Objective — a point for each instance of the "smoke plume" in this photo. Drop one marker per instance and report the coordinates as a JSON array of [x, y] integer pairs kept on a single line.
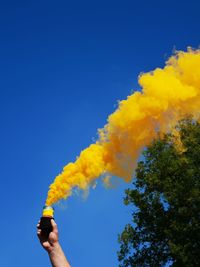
[[166, 96]]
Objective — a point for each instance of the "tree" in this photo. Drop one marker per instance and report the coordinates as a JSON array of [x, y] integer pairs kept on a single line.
[[165, 201]]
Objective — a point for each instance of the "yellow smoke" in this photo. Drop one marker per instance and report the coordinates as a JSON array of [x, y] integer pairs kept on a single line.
[[167, 95]]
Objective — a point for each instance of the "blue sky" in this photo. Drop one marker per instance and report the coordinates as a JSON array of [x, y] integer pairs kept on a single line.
[[64, 65]]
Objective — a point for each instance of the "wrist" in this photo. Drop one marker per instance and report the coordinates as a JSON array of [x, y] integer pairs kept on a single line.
[[54, 249]]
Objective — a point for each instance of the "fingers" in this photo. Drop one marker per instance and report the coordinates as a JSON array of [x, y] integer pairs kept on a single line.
[[38, 225], [38, 229], [39, 232]]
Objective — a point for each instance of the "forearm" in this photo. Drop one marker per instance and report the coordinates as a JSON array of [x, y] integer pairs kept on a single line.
[[57, 257]]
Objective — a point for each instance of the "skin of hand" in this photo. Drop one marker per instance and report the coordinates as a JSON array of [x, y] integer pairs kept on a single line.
[[52, 240], [52, 246]]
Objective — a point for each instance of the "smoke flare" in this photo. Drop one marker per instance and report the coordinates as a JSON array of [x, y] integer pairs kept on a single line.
[[166, 96]]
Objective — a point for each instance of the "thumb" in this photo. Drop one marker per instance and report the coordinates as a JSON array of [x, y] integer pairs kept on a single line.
[[54, 226]]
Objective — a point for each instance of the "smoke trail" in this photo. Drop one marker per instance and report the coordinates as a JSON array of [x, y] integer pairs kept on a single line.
[[167, 95]]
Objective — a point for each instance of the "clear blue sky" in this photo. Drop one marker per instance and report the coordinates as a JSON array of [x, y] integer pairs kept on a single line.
[[63, 67]]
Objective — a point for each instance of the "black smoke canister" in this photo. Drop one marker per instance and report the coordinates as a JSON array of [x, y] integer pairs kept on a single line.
[[45, 221]]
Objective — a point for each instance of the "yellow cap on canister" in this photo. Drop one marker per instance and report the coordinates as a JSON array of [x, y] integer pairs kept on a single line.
[[48, 211]]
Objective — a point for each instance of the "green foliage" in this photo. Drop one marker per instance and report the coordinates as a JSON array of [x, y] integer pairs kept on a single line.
[[166, 204]]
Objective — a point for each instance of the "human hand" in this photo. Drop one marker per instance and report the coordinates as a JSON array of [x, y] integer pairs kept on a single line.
[[51, 242]]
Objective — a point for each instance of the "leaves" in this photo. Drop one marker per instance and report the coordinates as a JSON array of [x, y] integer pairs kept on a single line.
[[166, 203]]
